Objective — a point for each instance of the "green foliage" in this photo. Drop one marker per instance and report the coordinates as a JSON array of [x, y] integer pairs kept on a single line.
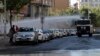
[[93, 18], [69, 11], [96, 11], [15, 4], [84, 12], [94, 15]]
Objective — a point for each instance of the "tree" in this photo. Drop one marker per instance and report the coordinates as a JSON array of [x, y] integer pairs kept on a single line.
[[94, 15], [15, 5], [85, 12], [93, 18]]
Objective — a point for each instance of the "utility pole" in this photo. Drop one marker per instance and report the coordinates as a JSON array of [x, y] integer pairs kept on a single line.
[[42, 15], [5, 18], [88, 9]]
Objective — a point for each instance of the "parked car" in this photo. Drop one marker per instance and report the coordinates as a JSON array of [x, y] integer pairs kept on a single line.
[[51, 36], [65, 33], [46, 34], [56, 33], [61, 32], [24, 34], [40, 36], [68, 32], [72, 32]]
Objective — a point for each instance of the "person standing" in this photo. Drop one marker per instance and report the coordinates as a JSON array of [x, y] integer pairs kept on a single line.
[[12, 32]]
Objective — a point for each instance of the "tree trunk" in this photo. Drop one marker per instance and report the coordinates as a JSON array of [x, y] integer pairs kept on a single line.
[[10, 18]]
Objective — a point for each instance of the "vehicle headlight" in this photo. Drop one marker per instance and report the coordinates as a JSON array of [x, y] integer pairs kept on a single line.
[[30, 35], [16, 35]]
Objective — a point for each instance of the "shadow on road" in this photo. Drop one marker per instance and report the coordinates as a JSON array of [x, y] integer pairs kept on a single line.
[[66, 43]]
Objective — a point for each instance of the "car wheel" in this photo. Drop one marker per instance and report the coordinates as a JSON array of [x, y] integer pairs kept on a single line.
[[34, 41], [90, 35], [50, 37], [43, 39], [37, 41], [46, 38], [79, 35]]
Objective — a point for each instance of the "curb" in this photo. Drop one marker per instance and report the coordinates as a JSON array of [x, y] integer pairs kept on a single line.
[[3, 34]]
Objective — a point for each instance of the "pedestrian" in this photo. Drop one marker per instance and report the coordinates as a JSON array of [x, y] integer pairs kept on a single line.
[[16, 28], [12, 32]]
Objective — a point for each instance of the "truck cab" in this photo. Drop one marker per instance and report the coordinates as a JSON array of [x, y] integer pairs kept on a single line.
[[84, 26]]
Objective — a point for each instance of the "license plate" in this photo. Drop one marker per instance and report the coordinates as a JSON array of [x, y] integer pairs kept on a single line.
[[24, 38]]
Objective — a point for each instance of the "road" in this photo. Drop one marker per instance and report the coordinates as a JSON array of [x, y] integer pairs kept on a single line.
[[66, 46]]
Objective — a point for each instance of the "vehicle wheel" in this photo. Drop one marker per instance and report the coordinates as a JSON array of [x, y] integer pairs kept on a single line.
[[47, 38], [79, 35], [90, 35], [35, 41], [52, 37], [43, 39]]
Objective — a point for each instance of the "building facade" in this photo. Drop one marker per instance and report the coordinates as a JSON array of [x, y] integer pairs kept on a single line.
[[88, 3], [40, 7], [37, 8], [61, 4], [1, 10]]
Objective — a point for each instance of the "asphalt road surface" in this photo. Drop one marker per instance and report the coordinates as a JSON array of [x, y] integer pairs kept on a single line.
[[63, 46]]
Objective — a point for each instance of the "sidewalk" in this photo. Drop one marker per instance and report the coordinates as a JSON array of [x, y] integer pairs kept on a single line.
[[4, 42]]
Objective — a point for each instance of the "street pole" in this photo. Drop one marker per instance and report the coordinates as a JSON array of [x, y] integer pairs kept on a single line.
[[88, 9], [42, 16], [5, 16]]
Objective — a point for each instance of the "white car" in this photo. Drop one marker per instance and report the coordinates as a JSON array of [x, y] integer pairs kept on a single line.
[[62, 33], [24, 34], [40, 35], [65, 32], [56, 33], [72, 32]]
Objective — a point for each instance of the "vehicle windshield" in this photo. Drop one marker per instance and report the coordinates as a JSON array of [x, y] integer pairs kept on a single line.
[[46, 31], [83, 22], [26, 30]]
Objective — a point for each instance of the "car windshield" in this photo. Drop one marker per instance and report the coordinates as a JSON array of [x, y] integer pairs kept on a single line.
[[46, 31], [82, 22], [26, 30]]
